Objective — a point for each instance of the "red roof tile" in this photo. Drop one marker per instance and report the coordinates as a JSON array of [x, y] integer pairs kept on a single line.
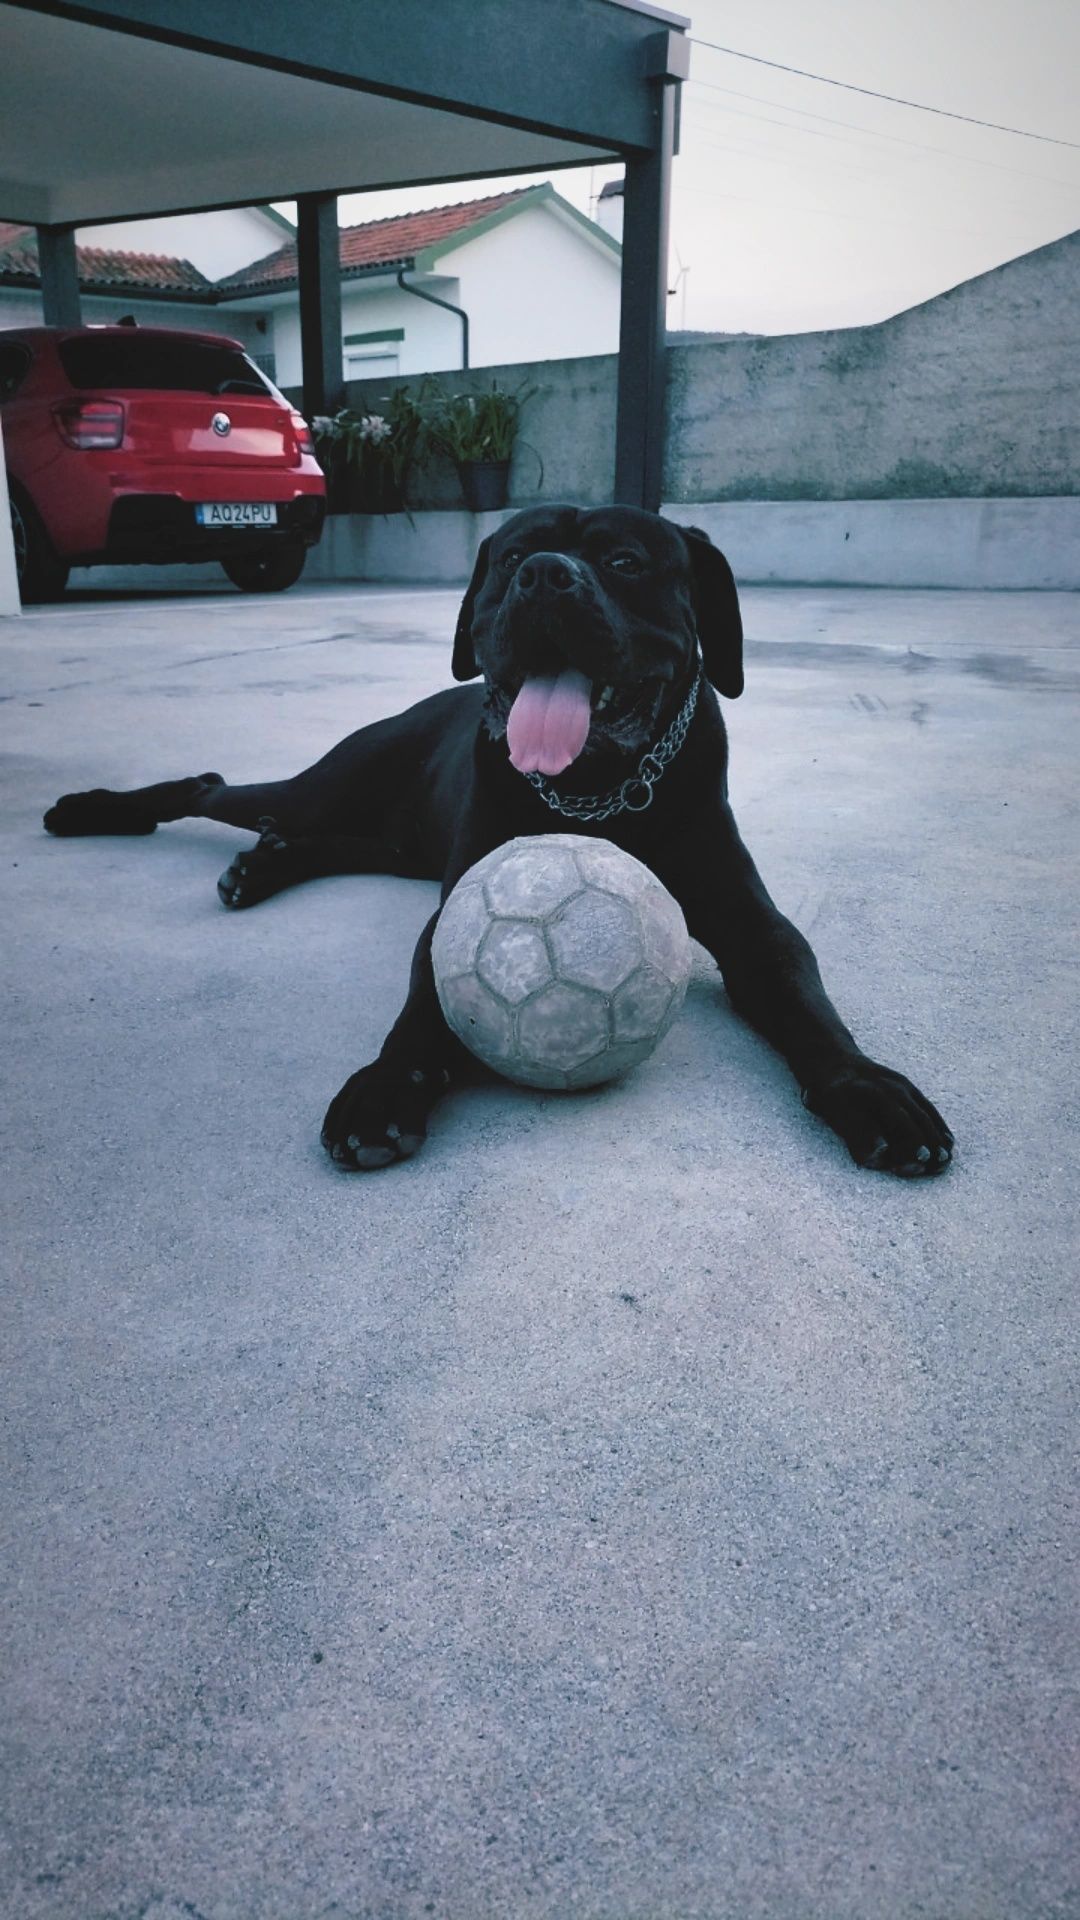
[[377, 243], [102, 266], [393, 242]]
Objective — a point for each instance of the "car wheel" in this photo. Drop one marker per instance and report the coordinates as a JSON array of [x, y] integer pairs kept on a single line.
[[41, 573], [267, 569]]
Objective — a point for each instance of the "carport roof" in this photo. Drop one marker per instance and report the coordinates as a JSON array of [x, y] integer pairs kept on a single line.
[[142, 107]]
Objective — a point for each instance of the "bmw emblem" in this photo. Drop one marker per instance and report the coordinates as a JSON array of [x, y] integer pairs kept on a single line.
[[221, 423]]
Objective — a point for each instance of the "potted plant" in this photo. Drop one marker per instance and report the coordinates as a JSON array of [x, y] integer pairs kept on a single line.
[[478, 431], [366, 454]]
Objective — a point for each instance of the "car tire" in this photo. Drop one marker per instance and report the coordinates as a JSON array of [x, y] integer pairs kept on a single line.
[[41, 573], [267, 569]]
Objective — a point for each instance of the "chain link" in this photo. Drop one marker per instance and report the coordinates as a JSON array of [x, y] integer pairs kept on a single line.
[[626, 798]]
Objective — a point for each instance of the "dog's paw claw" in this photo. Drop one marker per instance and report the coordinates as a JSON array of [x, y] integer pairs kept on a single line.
[[367, 1159], [253, 876], [887, 1125]]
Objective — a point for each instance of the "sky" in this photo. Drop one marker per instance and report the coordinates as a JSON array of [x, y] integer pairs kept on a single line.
[[797, 205]]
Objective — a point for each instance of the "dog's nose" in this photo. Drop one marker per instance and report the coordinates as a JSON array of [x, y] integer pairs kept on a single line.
[[545, 573]]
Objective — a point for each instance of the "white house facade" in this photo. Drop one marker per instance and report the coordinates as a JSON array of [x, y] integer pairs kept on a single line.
[[535, 279]]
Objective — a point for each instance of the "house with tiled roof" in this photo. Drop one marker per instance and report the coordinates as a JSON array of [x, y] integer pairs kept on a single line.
[[164, 272], [521, 273]]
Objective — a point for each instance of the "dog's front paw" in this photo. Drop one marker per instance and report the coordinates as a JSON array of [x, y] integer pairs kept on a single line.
[[884, 1121], [380, 1116]]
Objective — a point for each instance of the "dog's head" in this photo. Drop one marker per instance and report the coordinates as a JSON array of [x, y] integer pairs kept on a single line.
[[586, 625]]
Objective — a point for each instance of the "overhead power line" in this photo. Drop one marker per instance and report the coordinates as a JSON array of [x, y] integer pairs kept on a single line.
[[944, 113], [871, 133]]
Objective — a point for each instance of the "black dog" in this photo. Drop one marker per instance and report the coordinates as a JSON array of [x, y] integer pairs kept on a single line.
[[598, 634]]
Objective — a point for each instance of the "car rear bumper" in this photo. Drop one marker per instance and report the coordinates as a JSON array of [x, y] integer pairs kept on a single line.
[[157, 527]]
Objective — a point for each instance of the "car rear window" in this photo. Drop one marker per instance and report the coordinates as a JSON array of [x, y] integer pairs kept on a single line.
[[179, 366]]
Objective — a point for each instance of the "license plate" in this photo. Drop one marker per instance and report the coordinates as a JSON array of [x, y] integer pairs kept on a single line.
[[237, 513]]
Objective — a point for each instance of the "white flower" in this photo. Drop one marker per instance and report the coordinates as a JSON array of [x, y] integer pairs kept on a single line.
[[321, 423], [374, 428]]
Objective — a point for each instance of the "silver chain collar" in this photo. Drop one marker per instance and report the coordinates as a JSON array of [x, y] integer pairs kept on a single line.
[[636, 792]]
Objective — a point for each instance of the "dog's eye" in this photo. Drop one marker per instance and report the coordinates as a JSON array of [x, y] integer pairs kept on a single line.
[[512, 560], [624, 562]]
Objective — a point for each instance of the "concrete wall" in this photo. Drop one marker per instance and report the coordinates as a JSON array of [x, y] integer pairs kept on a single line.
[[972, 395], [570, 416], [1018, 544]]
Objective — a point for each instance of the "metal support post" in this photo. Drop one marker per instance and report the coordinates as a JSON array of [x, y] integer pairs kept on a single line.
[[639, 432], [59, 277], [319, 270]]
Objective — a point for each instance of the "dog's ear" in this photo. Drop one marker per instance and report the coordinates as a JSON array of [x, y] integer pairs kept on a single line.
[[719, 621], [464, 663]]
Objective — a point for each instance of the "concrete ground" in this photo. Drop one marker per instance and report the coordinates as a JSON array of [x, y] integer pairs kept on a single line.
[[626, 1509]]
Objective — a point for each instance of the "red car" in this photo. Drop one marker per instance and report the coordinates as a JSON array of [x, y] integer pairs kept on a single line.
[[141, 444]]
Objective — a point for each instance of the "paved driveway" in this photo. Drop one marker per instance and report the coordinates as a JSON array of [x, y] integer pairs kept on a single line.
[[626, 1509]]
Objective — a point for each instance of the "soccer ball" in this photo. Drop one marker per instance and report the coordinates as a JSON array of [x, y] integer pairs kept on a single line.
[[560, 961]]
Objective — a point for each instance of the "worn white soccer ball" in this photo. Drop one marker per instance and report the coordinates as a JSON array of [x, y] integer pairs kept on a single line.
[[560, 961]]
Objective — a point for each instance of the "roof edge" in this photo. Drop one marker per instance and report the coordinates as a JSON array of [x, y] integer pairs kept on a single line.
[[544, 194]]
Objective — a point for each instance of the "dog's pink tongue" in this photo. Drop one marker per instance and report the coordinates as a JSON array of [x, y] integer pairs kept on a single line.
[[549, 722]]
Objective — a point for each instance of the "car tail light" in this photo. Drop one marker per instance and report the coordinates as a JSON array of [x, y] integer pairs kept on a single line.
[[303, 434], [92, 423]]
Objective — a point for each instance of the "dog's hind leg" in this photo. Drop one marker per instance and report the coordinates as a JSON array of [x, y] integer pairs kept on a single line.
[[204, 796]]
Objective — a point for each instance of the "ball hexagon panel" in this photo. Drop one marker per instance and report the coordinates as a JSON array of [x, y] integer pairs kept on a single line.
[[563, 1024], [664, 937], [601, 864], [533, 879], [594, 941], [642, 1006], [513, 960], [611, 1063]]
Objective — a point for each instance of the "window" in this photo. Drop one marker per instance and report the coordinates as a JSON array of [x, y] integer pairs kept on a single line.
[[14, 361], [369, 366], [370, 356], [170, 363]]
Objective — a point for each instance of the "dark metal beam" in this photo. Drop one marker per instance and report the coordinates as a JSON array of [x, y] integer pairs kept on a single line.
[[59, 277], [571, 68], [319, 264], [639, 430]]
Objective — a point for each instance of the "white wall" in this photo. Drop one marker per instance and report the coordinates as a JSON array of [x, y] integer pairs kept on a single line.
[[216, 243], [432, 337], [21, 307], [537, 288], [534, 287], [9, 580]]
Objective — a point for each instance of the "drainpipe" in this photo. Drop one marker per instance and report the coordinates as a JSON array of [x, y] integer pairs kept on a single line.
[[406, 287]]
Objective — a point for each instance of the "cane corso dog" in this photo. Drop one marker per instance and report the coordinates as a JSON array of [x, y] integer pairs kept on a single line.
[[601, 638]]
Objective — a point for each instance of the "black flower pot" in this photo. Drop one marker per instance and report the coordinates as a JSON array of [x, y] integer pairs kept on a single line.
[[485, 484], [352, 490]]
